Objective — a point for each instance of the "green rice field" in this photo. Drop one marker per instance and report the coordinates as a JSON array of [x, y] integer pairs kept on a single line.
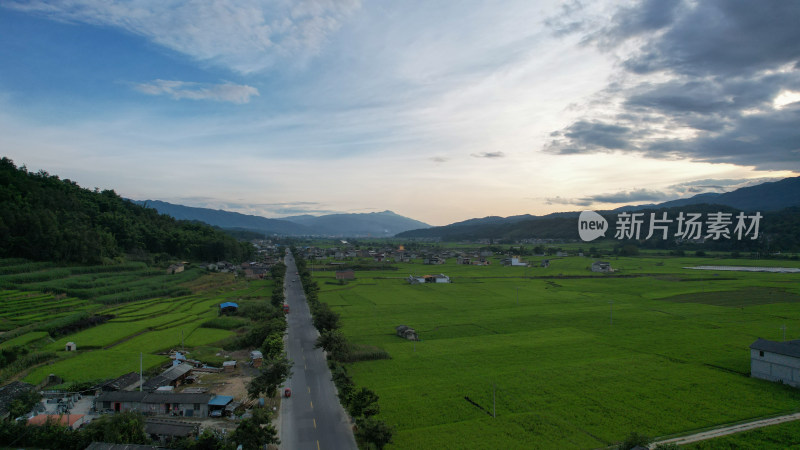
[[561, 357], [151, 312]]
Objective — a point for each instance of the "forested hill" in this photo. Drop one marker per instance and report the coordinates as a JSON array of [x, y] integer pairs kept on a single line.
[[45, 218]]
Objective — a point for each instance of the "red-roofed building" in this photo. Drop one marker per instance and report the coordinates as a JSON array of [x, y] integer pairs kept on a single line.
[[71, 420]]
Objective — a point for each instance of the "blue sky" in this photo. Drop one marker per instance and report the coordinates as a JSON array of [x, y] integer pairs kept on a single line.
[[440, 111]]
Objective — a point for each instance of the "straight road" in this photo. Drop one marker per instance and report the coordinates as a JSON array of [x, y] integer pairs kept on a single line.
[[312, 417]]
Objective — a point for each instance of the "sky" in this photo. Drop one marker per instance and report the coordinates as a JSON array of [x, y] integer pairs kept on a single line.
[[439, 111]]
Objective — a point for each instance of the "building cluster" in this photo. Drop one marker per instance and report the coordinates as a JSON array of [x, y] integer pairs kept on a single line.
[[171, 401], [441, 278]]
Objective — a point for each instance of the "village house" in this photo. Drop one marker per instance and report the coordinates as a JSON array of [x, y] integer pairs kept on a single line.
[[127, 382], [228, 307], [72, 421], [256, 358], [776, 361], [347, 274], [174, 376], [167, 430], [157, 403], [441, 278], [175, 268], [514, 261], [406, 332], [415, 280], [71, 347], [602, 267]]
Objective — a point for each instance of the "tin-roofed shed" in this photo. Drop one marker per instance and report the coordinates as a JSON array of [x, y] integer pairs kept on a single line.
[[776, 361]]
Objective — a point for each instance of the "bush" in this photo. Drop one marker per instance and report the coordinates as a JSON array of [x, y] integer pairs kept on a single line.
[[225, 323], [365, 353]]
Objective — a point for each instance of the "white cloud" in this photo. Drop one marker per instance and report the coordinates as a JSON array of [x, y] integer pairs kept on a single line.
[[242, 35], [226, 92]]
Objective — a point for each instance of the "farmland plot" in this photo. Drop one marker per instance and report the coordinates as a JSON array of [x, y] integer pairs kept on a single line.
[[143, 320], [574, 360]]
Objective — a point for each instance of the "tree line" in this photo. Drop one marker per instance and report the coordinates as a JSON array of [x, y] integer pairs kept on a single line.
[[45, 218]]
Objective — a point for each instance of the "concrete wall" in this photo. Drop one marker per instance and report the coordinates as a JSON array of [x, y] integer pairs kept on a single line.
[[774, 367]]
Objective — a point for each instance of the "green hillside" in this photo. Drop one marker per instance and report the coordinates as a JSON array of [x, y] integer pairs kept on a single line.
[[45, 218]]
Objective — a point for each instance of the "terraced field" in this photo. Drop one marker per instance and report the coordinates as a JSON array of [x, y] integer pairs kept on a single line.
[[563, 357], [144, 319]]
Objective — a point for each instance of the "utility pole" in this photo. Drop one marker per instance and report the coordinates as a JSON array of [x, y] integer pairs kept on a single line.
[[784, 332], [141, 382], [494, 403], [612, 312], [517, 295]]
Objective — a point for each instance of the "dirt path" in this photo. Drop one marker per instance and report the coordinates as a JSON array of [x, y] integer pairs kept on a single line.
[[728, 430]]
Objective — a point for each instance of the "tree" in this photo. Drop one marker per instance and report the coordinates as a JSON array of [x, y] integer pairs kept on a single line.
[[343, 381], [364, 402], [374, 431], [333, 342], [252, 435], [634, 440], [273, 345], [274, 372], [23, 403], [121, 428], [325, 318]]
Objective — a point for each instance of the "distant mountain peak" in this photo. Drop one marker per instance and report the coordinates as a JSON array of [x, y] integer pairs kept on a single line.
[[377, 224]]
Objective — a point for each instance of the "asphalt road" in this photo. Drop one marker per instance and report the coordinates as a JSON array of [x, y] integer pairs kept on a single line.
[[312, 417]]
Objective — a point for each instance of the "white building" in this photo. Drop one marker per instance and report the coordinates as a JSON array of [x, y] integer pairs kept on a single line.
[[602, 267], [776, 361]]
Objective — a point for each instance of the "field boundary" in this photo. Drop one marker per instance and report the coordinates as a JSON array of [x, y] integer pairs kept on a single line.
[[725, 430]]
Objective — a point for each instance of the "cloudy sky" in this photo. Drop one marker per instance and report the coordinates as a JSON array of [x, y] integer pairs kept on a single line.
[[440, 111]]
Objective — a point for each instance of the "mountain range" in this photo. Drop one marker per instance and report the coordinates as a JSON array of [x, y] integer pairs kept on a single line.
[[376, 224], [765, 197]]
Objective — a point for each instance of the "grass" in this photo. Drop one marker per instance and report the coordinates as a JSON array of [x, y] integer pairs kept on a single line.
[[542, 343], [24, 339]]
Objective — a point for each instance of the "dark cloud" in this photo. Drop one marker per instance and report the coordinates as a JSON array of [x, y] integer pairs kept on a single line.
[[636, 195], [720, 64], [568, 201], [647, 16], [689, 188], [489, 155], [438, 159], [633, 196], [713, 37], [592, 137]]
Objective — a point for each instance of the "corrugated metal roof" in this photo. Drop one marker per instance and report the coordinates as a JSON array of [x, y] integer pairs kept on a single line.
[[220, 400], [228, 305], [169, 427], [788, 348], [146, 397]]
